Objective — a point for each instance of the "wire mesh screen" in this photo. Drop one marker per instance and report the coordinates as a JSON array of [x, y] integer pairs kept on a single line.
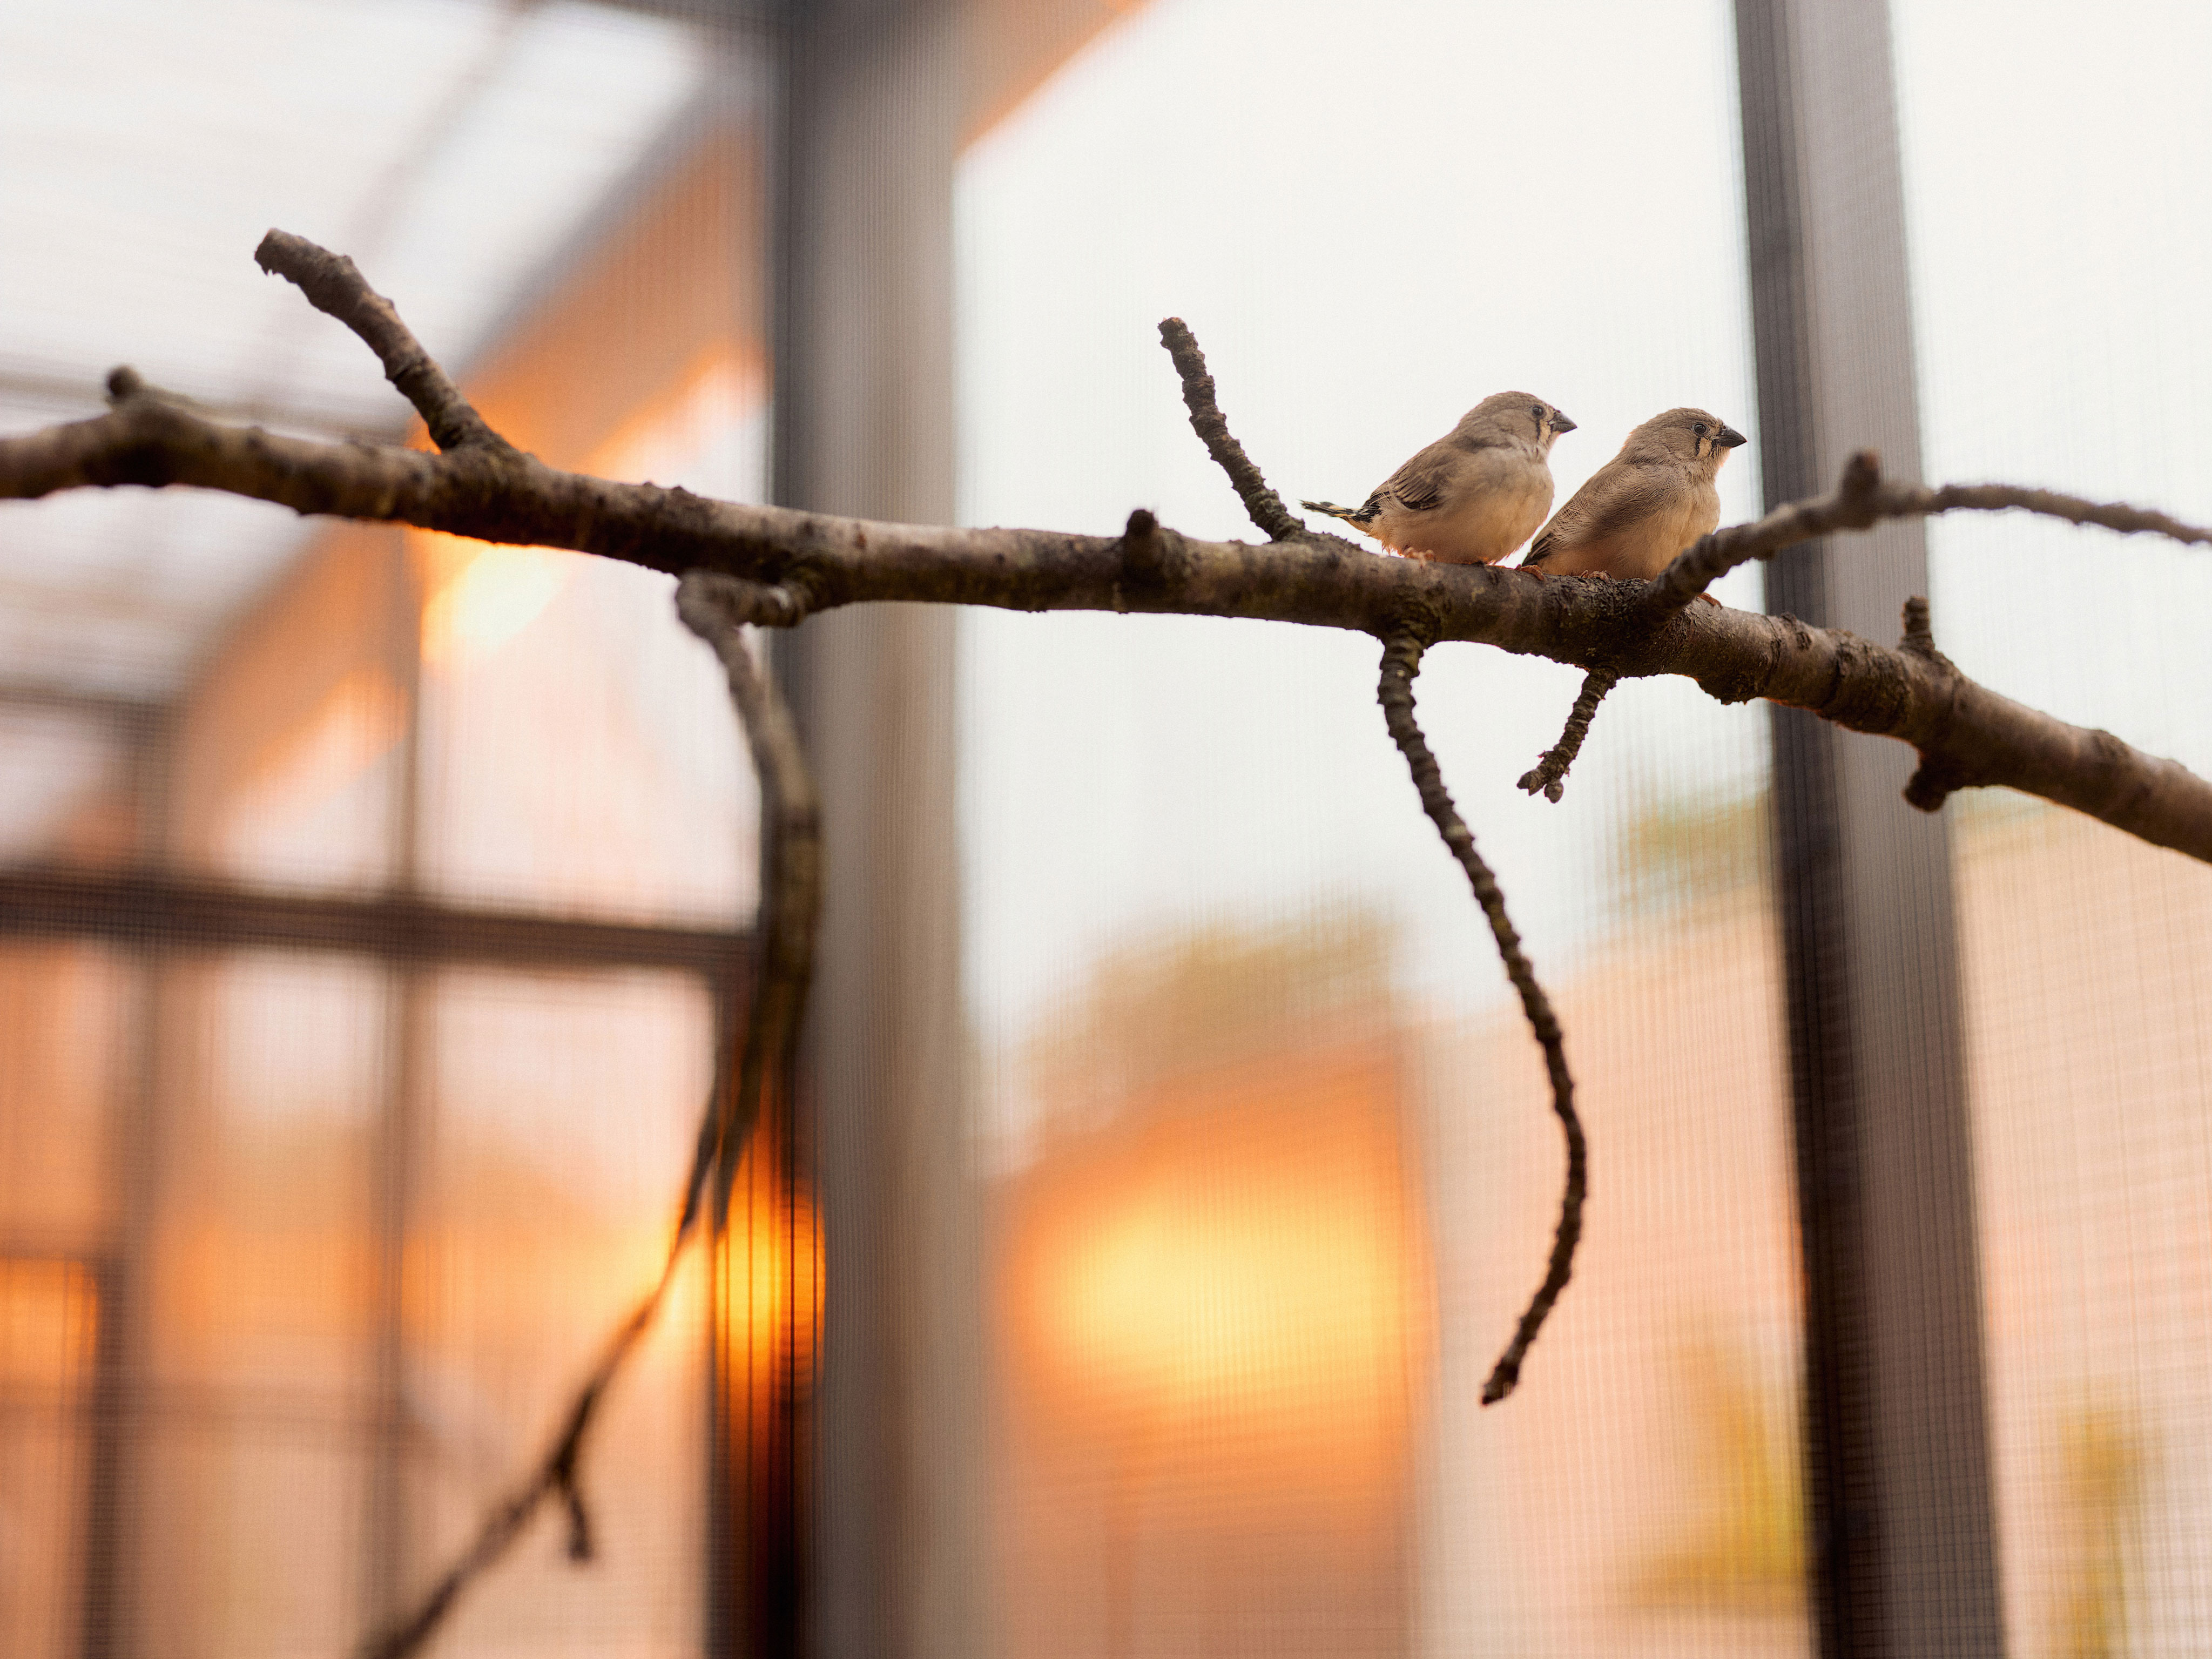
[[372, 902], [1274, 1168], [2071, 172]]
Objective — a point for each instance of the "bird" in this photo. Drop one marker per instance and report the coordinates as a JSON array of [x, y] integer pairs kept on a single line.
[[1475, 494], [1643, 507]]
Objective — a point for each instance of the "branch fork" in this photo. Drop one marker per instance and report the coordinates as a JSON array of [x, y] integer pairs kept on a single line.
[[760, 565], [797, 563], [1412, 630]]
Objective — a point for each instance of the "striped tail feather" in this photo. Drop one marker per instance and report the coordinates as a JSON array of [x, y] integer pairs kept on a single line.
[[1362, 515]]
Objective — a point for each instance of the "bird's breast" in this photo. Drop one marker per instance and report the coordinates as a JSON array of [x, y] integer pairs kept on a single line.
[[1480, 528]]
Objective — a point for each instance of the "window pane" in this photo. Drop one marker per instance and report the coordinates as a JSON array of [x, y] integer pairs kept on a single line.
[[566, 1112], [2068, 162], [1371, 219], [260, 1305], [327, 1191]]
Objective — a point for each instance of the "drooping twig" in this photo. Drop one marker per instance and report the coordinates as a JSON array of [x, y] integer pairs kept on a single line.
[[1262, 504], [555, 1478], [790, 564], [1402, 650], [790, 906], [791, 884], [1549, 775]]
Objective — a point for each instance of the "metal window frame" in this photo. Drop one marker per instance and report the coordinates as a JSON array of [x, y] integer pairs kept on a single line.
[[886, 1453], [1900, 1512], [157, 917]]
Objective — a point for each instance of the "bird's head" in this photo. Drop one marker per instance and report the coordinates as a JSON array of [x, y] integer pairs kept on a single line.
[[1690, 433], [1512, 417]]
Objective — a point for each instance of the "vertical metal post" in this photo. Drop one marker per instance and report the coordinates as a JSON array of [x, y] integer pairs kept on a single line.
[[401, 1127], [109, 1623], [871, 96], [1901, 1517]]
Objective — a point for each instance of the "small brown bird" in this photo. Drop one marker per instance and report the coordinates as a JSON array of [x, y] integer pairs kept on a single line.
[[1643, 506], [1472, 497]]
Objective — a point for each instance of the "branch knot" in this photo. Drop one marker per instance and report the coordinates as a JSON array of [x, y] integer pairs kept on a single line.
[[1144, 557], [708, 599], [1858, 492]]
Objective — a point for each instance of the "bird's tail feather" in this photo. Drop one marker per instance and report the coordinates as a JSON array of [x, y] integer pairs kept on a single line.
[[1359, 515]]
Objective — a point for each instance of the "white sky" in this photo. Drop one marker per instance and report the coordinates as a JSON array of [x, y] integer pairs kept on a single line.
[[1373, 216]]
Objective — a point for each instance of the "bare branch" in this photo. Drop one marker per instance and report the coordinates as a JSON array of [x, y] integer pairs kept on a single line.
[[335, 287], [1262, 504], [1549, 775], [791, 900], [712, 606], [1401, 660], [789, 564], [1861, 500]]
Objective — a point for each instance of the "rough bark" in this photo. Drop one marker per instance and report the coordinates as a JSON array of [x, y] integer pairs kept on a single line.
[[789, 565]]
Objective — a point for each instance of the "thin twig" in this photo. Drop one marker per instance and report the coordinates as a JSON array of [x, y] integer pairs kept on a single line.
[[1263, 506], [1401, 660], [791, 900], [335, 286], [712, 606], [1861, 500], [1549, 775]]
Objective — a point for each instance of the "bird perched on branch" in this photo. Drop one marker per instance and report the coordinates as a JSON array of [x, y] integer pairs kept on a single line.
[[1643, 506], [1475, 494]]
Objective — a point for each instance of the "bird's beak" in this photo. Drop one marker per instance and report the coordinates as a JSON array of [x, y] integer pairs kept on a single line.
[[1728, 438], [1560, 422]]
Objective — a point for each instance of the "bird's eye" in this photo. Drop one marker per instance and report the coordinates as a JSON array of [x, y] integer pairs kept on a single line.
[[1537, 410], [1699, 428]]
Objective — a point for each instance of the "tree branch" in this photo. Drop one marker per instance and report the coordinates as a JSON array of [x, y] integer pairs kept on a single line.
[[1549, 776], [790, 908], [334, 286], [1861, 500], [1401, 660], [790, 563], [791, 880], [1262, 504]]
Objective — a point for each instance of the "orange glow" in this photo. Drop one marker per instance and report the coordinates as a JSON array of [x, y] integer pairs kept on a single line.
[[723, 386], [49, 1318], [478, 597], [771, 1281], [1241, 1271], [1156, 1287]]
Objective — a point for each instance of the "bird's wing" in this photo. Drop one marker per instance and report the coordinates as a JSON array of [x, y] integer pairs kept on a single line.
[[1419, 485], [1617, 496]]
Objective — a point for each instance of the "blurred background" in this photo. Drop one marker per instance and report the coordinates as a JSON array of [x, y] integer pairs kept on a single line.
[[1171, 1162]]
